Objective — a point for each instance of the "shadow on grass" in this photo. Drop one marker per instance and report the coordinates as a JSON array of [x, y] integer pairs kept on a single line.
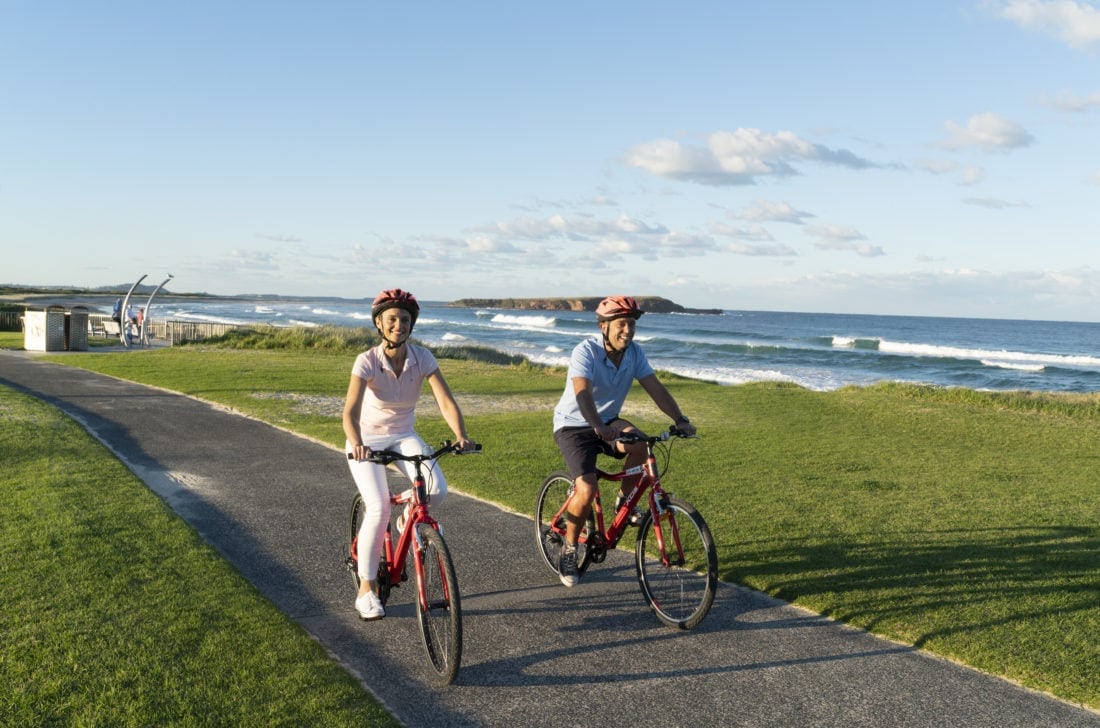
[[981, 578]]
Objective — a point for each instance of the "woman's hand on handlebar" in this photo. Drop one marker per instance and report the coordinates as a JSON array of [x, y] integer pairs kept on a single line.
[[360, 452]]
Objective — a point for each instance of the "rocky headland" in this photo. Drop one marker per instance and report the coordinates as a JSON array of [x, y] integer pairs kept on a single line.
[[651, 304]]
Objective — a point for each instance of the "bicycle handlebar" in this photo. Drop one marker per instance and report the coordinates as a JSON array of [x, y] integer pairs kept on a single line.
[[628, 438], [385, 457]]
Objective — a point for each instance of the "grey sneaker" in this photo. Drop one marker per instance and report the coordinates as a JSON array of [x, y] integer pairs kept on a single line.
[[567, 565]]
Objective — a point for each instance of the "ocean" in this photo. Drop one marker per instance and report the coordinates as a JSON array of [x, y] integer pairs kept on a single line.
[[817, 351]]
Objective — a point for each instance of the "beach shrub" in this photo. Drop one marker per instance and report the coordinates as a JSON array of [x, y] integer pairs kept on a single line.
[[326, 338], [345, 338]]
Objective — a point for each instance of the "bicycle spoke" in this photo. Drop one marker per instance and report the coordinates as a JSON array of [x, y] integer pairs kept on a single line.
[[437, 605], [677, 565], [550, 519]]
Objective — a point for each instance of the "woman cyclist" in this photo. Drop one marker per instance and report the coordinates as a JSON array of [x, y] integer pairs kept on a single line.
[[586, 420], [379, 414]]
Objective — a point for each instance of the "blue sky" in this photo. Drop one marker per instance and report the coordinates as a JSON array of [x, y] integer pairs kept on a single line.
[[935, 158]]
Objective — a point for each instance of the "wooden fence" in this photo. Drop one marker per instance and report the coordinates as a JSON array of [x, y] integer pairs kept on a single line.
[[178, 332]]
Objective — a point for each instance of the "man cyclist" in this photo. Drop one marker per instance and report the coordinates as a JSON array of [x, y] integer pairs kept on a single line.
[[587, 421]]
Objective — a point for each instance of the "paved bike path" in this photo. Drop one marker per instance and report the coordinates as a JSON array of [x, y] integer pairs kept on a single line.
[[274, 504]]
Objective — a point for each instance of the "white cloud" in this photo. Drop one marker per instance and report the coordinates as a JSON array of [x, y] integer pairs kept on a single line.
[[937, 166], [735, 157], [253, 259], [1066, 101], [835, 232], [968, 175], [971, 175], [561, 242], [1076, 24], [279, 238], [754, 240], [777, 250], [992, 203], [486, 244], [1069, 294], [766, 211], [866, 250], [756, 233], [842, 238], [987, 131]]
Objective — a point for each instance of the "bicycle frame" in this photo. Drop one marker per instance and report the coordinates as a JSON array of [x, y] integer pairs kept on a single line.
[[395, 557], [438, 603], [674, 556], [649, 482]]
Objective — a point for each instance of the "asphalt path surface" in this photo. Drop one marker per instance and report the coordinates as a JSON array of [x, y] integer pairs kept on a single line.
[[535, 653]]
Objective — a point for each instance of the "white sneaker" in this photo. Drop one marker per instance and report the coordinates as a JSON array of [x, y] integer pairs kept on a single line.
[[370, 606]]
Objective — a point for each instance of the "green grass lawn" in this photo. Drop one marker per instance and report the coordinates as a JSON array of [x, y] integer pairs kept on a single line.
[[965, 523], [116, 613]]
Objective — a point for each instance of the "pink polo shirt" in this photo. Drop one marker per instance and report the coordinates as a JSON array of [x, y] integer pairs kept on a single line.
[[389, 402]]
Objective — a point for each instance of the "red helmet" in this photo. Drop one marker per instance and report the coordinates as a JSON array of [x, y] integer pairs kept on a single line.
[[614, 307], [395, 298]]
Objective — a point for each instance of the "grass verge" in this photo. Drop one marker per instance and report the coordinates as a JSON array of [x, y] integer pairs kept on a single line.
[[115, 613]]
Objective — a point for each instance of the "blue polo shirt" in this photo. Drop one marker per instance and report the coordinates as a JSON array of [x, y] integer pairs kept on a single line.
[[610, 383]]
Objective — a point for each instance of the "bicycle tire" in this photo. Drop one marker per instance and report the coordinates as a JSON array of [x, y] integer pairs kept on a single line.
[[441, 617], [555, 489], [355, 521], [680, 595]]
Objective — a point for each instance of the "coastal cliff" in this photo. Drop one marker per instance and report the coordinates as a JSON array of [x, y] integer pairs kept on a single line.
[[651, 304]]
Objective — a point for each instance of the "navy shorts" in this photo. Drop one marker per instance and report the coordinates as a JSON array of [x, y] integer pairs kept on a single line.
[[580, 446]]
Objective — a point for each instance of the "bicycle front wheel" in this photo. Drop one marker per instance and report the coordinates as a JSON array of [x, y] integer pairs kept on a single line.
[[550, 522], [678, 571], [437, 607]]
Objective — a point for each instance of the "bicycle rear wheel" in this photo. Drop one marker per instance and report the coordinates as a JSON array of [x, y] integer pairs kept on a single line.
[[682, 592], [549, 536], [437, 607], [355, 522]]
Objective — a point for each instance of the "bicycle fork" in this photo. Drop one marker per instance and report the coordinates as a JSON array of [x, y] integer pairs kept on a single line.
[[660, 509]]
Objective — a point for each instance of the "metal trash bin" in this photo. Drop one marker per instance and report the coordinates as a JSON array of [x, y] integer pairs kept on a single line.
[[44, 329], [76, 329]]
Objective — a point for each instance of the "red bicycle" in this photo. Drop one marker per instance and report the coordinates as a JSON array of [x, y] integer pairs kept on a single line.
[[438, 607], [675, 556]]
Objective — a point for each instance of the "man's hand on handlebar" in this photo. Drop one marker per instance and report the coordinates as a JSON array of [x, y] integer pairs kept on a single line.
[[607, 432], [683, 429]]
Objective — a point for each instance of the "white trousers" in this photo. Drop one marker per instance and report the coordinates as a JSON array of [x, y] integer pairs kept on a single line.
[[370, 478]]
